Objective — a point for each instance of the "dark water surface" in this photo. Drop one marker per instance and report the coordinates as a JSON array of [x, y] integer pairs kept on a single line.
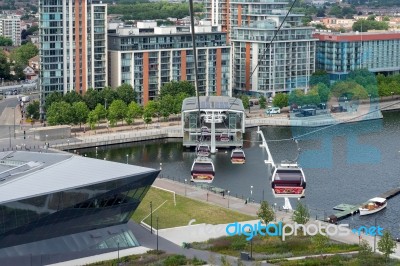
[[348, 163]]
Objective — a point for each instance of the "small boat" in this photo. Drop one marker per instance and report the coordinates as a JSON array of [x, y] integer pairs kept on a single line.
[[288, 181], [373, 205], [238, 156], [202, 170], [203, 150]]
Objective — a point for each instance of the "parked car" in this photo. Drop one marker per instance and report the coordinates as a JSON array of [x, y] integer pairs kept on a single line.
[[338, 109], [273, 110]]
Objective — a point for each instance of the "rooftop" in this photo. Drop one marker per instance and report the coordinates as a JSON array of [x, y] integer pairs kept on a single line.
[[223, 103], [25, 174]]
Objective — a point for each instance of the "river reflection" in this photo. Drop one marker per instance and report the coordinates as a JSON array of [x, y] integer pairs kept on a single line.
[[347, 163]]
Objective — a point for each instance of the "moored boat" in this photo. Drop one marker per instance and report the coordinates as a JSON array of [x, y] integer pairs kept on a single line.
[[373, 205]]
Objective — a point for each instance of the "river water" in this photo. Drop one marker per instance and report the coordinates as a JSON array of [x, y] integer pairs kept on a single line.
[[347, 163]]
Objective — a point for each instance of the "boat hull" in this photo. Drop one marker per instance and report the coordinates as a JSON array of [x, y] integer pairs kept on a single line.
[[364, 211]]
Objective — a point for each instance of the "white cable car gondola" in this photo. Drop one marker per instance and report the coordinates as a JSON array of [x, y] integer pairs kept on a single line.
[[203, 150], [288, 181], [202, 170], [238, 156]]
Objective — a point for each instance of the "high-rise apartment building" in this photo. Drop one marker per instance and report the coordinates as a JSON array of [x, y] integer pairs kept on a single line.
[[217, 12], [73, 45], [259, 67], [340, 53], [10, 27], [148, 56]]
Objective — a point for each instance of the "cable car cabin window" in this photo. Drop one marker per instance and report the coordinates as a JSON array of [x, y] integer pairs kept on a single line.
[[288, 178], [203, 168], [237, 155]]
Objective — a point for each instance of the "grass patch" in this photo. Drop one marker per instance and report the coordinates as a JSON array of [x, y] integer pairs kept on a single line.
[[269, 247], [152, 257], [185, 210], [376, 260]]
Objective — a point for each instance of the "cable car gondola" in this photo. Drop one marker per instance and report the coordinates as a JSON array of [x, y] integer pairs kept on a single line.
[[202, 170], [238, 156], [203, 150], [288, 181]]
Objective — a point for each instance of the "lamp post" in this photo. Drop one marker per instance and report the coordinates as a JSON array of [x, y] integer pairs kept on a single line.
[[251, 192], [185, 186], [127, 159], [68, 147], [157, 232], [392, 94], [14, 122], [228, 198], [118, 251], [375, 236], [151, 217], [96, 152]]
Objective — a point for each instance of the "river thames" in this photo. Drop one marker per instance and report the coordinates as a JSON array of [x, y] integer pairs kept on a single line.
[[346, 163]]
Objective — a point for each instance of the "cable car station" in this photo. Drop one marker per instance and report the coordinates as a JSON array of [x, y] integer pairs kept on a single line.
[[221, 123]]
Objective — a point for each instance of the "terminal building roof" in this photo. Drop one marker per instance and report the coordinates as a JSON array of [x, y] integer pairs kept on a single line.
[[220, 103], [25, 174]]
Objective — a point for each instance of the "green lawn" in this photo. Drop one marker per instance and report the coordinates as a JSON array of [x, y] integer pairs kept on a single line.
[[185, 210]]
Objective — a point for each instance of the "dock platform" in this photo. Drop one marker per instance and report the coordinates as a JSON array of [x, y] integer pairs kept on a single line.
[[346, 210]]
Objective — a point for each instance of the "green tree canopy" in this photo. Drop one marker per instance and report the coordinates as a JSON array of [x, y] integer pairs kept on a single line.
[[281, 100], [265, 212], [4, 41], [301, 215], [363, 25], [22, 54], [60, 113], [100, 111], [107, 96], [126, 93], [386, 244], [167, 106], [320, 76], [297, 97], [245, 100], [178, 102], [263, 102], [365, 253], [51, 98], [134, 111], [72, 97], [80, 111], [323, 92], [117, 111], [92, 119], [4, 66], [92, 97], [32, 110], [173, 88]]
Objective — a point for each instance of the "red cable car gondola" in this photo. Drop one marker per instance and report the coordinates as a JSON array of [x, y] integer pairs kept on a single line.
[[238, 156], [288, 181], [202, 170]]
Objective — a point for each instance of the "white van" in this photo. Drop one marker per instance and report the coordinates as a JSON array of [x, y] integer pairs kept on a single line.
[[273, 110]]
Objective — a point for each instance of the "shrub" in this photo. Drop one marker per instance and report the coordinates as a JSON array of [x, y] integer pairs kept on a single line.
[[175, 260]]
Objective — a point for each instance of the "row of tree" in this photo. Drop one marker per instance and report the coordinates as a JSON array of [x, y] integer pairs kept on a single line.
[[301, 215], [92, 108], [359, 84], [152, 10]]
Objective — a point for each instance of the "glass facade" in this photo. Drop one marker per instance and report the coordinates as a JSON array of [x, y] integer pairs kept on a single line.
[[72, 211]]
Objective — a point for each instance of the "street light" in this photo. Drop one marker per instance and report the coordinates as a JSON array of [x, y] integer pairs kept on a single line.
[[251, 192], [68, 146], [14, 122], [375, 236], [228, 198], [127, 159], [392, 94], [157, 232], [185, 186]]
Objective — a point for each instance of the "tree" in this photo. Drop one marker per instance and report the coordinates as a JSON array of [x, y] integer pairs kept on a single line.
[[4, 66], [51, 98], [92, 98], [265, 213], [323, 92], [126, 93], [281, 100], [246, 101], [92, 119], [386, 244], [301, 215], [312, 96], [117, 111], [59, 113], [178, 102], [107, 96], [22, 54], [81, 112], [152, 109], [297, 97], [4, 41], [263, 102], [320, 242], [100, 111], [167, 106], [32, 110], [365, 252], [175, 87], [320, 76], [134, 111], [72, 97]]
